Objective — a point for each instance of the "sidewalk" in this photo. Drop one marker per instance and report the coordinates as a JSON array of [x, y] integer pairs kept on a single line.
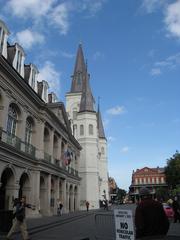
[[44, 223]]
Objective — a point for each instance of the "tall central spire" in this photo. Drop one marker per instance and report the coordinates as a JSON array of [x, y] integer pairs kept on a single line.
[[79, 75], [80, 82]]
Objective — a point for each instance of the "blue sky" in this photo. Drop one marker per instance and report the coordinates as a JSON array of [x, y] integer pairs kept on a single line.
[[133, 53]]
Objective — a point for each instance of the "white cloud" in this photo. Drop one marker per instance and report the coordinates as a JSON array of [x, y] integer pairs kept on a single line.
[[49, 73], [170, 63], [59, 17], [116, 110], [151, 6], [155, 71], [125, 149], [91, 6], [172, 19], [52, 12], [30, 8], [28, 38], [67, 55]]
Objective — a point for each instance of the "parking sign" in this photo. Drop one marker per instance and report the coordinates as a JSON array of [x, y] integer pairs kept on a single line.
[[124, 226]]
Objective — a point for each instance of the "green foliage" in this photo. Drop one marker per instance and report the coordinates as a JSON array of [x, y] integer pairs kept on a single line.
[[172, 171], [121, 193], [162, 193]]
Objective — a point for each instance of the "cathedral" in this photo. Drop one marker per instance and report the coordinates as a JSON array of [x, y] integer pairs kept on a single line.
[[87, 127]]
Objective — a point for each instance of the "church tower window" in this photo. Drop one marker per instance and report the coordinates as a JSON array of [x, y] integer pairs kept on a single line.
[[90, 129], [81, 129], [74, 113]]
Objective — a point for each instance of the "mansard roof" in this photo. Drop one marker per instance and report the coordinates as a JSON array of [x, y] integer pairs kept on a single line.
[[100, 124]]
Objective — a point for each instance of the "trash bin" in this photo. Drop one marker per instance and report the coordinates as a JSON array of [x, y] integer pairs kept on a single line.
[[6, 217]]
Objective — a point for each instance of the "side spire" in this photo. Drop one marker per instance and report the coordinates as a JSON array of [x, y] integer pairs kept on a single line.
[[100, 123], [87, 100]]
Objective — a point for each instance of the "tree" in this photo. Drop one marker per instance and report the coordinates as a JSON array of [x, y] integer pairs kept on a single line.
[[172, 171], [121, 193]]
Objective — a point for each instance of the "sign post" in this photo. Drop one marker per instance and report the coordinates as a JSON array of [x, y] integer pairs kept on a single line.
[[124, 226]]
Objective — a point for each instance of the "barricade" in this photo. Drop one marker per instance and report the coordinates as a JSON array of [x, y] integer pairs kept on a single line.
[[104, 226]]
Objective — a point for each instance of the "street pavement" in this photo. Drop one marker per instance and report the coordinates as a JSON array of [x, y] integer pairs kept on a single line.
[[82, 225]]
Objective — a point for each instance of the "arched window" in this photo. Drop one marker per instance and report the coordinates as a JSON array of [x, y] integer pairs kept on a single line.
[[28, 131], [90, 129], [81, 130], [12, 120]]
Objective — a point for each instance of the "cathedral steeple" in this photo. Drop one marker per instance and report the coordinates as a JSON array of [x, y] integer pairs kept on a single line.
[[100, 124], [79, 75], [80, 82]]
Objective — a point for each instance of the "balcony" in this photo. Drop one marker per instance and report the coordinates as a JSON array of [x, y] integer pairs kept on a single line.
[[32, 152], [17, 143]]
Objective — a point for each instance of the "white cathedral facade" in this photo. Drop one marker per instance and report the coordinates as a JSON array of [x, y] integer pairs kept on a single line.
[[87, 127]]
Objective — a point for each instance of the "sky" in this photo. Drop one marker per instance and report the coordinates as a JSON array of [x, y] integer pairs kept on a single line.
[[132, 49]]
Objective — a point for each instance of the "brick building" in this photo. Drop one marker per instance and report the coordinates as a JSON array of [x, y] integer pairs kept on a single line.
[[152, 178]]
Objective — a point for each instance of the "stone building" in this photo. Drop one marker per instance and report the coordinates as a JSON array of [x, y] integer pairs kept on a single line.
[[39, 156], [152, 178], [87, 127]]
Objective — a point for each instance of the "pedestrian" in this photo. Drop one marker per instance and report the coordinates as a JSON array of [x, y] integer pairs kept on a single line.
[[60, 208], [19, 218], [150, 218], [176, 209], [87, 206], [105, 204]]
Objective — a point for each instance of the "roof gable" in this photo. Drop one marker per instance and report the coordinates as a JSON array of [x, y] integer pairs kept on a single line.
[[146, 170]]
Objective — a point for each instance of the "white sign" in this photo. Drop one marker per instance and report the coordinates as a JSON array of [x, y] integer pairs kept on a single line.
[[124, 224]]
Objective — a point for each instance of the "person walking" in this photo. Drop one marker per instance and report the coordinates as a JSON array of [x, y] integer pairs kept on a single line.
[[176, 209], [60, 208], [87, 206], [19, 219], [150, 218]]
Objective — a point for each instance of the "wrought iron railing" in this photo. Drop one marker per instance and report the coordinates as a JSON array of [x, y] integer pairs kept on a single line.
[[31, 150], [16, 142]]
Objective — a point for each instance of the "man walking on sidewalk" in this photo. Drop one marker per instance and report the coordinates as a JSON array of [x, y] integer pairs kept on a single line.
[[19, 220]]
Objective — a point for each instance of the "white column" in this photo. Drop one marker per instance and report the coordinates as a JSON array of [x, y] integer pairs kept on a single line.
[[47, 211], [51, 145], [39, 139]]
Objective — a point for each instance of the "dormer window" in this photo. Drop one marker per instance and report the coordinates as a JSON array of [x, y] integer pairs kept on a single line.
[[17, 56], [19, 61], [33, 78], [3, 39], [43, 90], [2, 35]]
